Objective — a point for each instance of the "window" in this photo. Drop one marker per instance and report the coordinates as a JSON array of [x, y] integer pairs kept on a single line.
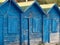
[[13, 24], [37, 25], [54, 25]]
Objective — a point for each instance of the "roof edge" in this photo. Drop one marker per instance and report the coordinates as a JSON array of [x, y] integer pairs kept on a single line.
[[37, 4]]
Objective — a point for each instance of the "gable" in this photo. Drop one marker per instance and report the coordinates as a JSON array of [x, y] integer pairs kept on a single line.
[[4, 8], [54, 12], [10, 6], [35, 9]]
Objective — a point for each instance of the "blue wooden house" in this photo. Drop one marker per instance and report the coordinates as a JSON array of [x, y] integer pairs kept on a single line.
[[34, 24], [54, 17], [54, 13], [10, 19]]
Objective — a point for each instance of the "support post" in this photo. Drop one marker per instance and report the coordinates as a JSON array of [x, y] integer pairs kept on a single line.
[[28, 32]]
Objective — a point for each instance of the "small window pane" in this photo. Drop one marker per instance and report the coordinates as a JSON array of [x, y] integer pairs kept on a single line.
[[54, 25], [13, 24], [37, 25]]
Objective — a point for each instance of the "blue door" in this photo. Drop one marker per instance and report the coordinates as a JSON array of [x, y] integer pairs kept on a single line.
[[46, 31]]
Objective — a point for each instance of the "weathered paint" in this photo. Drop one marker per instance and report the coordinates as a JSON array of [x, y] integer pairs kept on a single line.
[[34, 25], [35, 15], [1, 29], [46, 31], [54, 13], [54, 16], [10, 18]]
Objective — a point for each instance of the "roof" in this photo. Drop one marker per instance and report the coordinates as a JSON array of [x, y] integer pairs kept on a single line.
[[55, 7], [15, 4], [38, 7]]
